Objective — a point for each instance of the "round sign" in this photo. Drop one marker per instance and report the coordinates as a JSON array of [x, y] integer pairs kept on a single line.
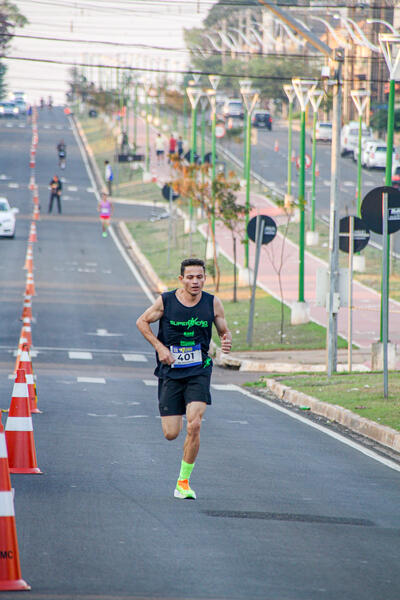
[[360, 234], [219, 130], [371, 209], [268, 226], [307, 161], [166, 191]]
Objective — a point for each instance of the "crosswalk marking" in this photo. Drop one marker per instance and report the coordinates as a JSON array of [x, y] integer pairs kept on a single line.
[[90, 380], [150, 382], [134, 357], [80, 355]]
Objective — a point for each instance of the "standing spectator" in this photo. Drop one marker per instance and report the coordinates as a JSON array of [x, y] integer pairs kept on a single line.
[[55, 193], [159, 149], [172, 146], [109, 176], [180, 146]]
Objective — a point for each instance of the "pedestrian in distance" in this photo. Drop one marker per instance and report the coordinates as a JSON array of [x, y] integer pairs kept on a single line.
[[159, 149], [105, 209], [185, 317], [108, 176], [62, 154], [55, 193], [180, 146], [171, 146]]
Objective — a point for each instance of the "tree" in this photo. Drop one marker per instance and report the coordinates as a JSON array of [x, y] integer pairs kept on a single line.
[[10, 19], [230, 213]]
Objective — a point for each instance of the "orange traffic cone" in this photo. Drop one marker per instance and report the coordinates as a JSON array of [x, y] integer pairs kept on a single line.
[[29, 258], [30, 284], [19, 430], [293, 155], [27, 307], [32, 182], [10, 569], [22, 341], [276, 146], [36, 212], [26, 330], [153, 176], [32, 233], [25, 363], [316, 169]]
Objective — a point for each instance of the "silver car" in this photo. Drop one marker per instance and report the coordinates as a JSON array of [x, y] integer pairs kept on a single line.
[[7, 219]]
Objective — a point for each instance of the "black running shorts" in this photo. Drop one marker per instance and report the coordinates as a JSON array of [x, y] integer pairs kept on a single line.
[[175, 394]]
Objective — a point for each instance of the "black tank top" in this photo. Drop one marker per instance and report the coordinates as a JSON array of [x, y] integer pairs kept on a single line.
[[186, 331]]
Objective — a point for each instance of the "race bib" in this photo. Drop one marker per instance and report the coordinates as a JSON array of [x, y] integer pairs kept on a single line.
[[186, 356]]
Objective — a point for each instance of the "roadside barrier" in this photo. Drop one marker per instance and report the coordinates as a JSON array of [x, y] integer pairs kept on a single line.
[[19, 430], [10, 569]]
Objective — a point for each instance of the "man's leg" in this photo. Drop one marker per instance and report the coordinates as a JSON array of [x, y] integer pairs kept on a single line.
[[51, 203], [194, 415], [59, 203], [171, 426]]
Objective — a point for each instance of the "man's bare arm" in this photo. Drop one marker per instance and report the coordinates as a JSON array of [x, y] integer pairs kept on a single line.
[[152, 315], [222, 326]]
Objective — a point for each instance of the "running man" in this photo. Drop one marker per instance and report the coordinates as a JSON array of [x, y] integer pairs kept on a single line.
[[105, 209], [184, 368]]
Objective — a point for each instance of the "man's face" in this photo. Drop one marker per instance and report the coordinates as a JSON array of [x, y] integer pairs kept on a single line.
[[193, 279]]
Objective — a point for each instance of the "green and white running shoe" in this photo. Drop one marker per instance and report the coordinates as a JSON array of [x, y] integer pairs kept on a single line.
[[183, 490]]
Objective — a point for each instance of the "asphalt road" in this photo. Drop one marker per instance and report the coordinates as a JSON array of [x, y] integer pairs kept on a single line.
[[284, 511]]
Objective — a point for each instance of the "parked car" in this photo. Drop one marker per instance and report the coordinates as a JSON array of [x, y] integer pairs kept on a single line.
[[364, 148], [7, 219], [233, 108], [323, 131], [9, 109], [21, 105], [375, 156], [349, 137], [262, 118], [396, 176]]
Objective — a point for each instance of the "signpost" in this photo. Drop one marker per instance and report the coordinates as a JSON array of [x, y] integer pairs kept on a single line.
[[261, 230], [353, 237], [380, 210]]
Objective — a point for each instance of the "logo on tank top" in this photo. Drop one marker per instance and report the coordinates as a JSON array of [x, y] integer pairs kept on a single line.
[[194, 321]]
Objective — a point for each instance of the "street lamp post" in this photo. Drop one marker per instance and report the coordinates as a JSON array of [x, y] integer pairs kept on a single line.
[[300, 312], [360, 99], [315, 97], [194, 95], [291, 94], [250, 98], [214, 80], [135, 108], [203, 106]]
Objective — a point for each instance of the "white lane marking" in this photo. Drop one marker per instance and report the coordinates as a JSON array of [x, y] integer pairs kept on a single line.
[[150, 382], [91, 264], [46, 126], [9, 124], [59, 127], [90, 190], [33, 353], [80, 355], [72, 188], [94, 415], [3, 177], [22, 125], [240, 422], [340, 438], [134, 357], [13, 185], [349, 183], [228, 387], [123, 253], [104, 333], [327, 182], [90, 380], [136, 417]]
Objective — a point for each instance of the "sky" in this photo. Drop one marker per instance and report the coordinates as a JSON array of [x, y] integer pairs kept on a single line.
[[129, 23]]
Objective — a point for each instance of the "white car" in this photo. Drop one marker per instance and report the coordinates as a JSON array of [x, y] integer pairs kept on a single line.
[[375, 156], [349, 136], [7, 219], [323, 131], [233, 108]]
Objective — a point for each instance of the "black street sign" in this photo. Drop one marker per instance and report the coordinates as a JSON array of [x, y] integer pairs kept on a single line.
[[371, 209], [166, 191], [360, 234], [268, 231]]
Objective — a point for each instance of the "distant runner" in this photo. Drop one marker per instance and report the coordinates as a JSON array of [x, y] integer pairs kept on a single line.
[[105, 209], [184, 367]]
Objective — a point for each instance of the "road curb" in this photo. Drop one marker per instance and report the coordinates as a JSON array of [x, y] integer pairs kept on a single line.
[[382, 434]]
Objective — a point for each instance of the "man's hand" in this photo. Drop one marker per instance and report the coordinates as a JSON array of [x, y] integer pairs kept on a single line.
[[165, 356], [226, 342]]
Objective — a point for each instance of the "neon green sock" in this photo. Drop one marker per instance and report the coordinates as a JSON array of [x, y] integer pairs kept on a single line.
[[186, 470]]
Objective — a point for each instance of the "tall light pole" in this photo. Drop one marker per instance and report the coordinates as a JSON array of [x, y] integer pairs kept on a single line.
[[212, 96], [203, 106], [302, 87], [250, 98], [360, 99], [390, 46], [315, 97], [291, 94], [194, 95]]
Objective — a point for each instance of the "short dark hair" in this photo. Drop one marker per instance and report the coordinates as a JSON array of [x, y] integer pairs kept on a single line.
[[192, 262]]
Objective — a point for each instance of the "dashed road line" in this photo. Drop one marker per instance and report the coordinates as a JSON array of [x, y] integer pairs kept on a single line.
[[150, 382], [134, 358], [90, 380], [228, 387], [80, 355]]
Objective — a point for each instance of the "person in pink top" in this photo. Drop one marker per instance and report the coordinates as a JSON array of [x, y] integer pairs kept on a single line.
[[105, 209]]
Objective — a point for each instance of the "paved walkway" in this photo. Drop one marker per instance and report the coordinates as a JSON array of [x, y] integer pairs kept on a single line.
[[366, 312]]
